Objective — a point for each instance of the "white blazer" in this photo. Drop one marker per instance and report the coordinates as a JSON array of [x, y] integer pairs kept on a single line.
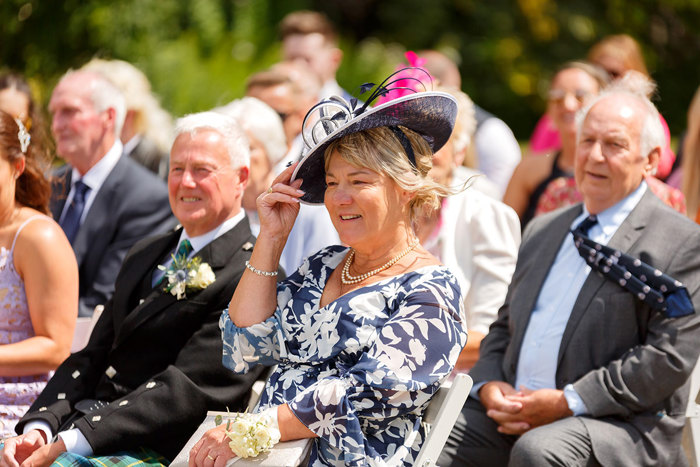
[[479, 241]]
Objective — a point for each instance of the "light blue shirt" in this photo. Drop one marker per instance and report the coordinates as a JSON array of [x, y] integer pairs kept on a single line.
[[539, 351]]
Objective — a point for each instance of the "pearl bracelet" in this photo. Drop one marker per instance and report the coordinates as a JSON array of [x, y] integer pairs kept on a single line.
[[259, 272]]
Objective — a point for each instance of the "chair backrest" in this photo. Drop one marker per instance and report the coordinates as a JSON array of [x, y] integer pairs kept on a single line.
[[83, 329], [258, 387], [692, 419], [441, 416]]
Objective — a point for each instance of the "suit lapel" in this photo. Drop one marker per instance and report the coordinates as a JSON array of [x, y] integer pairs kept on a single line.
[[552, 238], [60, 187], [134, 273], [626, 236], [99, 211], [217, 254]]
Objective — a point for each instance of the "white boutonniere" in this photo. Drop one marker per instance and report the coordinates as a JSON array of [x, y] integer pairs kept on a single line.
[[252, 434], [187, 274]]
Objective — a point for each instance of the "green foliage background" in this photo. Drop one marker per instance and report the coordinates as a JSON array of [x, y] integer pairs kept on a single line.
[[198, 53]]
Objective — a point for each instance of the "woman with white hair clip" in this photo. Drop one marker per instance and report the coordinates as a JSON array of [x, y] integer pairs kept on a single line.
[[362, 335]]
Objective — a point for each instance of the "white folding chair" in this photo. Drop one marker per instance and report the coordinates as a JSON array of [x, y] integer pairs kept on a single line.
[[440, 417], [258, 387], [83, 329], [691, 435]]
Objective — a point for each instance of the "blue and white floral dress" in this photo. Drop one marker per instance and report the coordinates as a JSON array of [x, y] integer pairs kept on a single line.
[[360, 371]]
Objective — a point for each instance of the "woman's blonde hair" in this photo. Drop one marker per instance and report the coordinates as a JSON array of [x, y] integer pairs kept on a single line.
[[623, 48], [380, 150], [691, 158]]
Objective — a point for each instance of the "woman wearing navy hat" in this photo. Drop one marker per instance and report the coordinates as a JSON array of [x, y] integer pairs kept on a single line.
[[363, 334]]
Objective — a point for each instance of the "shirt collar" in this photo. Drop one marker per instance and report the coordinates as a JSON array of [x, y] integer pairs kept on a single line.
[[98, 173], [610, 219], [130, 145], [200, 241]]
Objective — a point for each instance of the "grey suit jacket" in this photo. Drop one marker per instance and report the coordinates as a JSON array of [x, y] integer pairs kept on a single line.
[[131, 204], [630, 364]]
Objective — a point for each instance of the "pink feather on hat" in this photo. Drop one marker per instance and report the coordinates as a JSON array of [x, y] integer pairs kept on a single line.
[[407, 78]]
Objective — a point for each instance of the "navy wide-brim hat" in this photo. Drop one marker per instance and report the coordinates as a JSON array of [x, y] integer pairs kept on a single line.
[[430, 114]]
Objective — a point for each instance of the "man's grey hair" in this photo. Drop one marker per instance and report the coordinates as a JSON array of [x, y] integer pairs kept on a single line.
[[640, 88], [465, 124], [103, 95], [234, 137], [152, 121], [261, 122]]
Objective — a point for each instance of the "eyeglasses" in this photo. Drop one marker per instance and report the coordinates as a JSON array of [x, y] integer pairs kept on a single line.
[[558, 96]]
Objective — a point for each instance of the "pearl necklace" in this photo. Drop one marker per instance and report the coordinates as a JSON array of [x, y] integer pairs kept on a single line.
[[347, 279]]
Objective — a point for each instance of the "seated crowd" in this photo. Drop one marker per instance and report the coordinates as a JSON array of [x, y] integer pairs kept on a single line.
[[356, 254]]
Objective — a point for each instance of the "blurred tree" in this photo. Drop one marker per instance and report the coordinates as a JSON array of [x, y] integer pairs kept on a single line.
[[198, 53]]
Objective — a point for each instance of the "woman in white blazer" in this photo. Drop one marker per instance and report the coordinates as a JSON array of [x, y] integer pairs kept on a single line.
[[473, 233]]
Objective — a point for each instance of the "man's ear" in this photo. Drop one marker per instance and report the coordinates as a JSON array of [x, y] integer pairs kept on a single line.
[[336, 58], [652, 161], [243, 176], [110, 115]]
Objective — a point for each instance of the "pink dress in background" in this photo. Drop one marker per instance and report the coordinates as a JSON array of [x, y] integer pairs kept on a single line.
[[16, 392]]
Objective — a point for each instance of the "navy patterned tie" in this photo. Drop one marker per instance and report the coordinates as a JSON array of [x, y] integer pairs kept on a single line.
[[71, 220], [648, 284]]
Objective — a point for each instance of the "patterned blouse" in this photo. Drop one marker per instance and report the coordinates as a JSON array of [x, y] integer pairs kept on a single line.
[[359, 371]]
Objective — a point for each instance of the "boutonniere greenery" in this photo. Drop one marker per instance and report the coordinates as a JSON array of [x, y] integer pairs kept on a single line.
[[187, 274]]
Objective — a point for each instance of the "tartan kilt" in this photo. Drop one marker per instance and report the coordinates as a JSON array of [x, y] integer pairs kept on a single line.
[[141, 457]]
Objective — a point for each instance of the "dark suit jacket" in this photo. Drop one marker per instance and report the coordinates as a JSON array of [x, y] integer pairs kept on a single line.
[[131, 204], [165, 354], [630, 364]]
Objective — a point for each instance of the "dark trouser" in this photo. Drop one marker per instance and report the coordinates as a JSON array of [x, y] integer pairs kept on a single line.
[[474, 441]]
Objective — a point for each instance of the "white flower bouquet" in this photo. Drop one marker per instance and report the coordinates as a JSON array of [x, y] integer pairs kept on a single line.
[[185, 274], [252, 434]]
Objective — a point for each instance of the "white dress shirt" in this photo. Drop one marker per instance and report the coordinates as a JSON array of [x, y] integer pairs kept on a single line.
[[497, 151], [331, 88], [94, 178], [74, 439]]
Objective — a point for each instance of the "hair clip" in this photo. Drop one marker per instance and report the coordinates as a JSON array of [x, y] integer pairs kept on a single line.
[[23, 136]]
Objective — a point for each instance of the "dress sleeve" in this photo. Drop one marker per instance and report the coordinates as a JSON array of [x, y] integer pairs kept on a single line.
[[393, 380], [262, 343]]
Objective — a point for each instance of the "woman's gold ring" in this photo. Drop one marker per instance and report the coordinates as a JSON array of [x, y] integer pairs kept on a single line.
[[269, 190], [210, 457]]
